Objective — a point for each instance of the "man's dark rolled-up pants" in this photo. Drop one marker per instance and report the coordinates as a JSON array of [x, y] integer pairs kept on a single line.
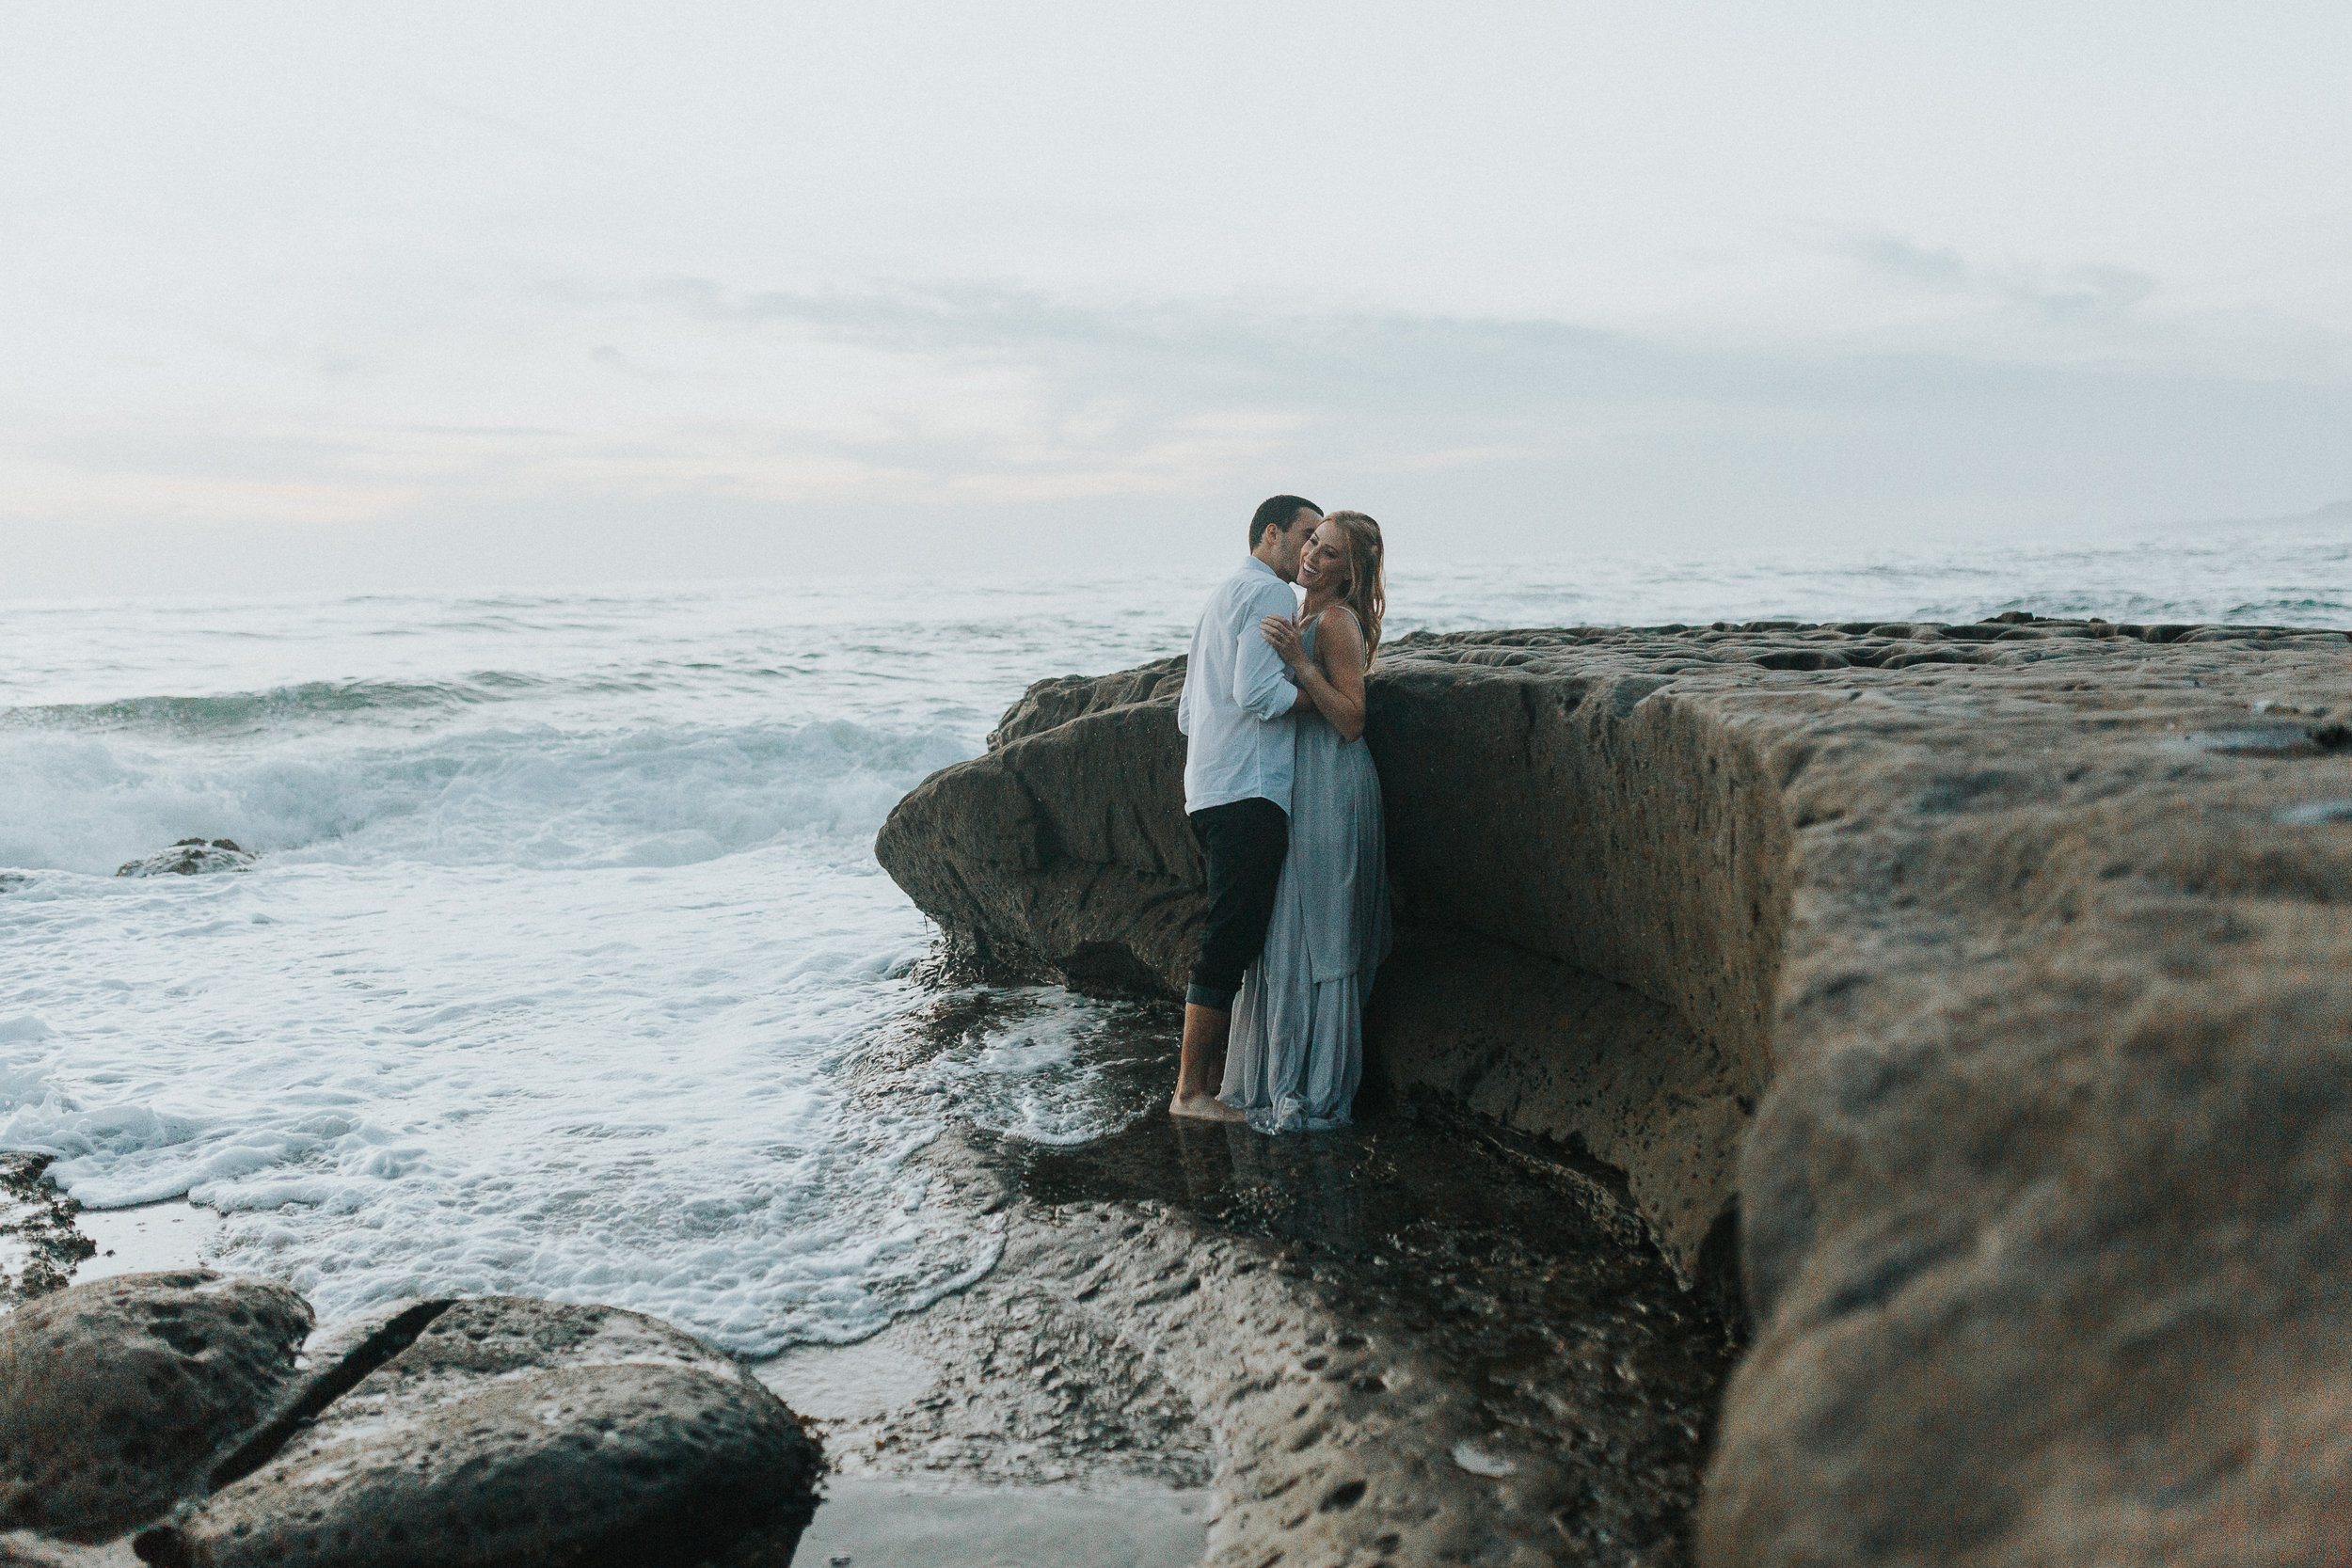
[[1244, 842]]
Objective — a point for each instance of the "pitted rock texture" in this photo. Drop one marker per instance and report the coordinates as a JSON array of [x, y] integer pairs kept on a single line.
[[114, 1396], [2026, 941], [1453, 1338], [521, 1432], [190, 857]]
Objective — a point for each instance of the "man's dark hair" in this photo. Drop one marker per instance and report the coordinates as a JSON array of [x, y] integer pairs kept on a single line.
[[1277, 511]]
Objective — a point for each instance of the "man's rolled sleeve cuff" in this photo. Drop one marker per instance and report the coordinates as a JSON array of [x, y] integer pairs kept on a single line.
[[1275, 704], [1204, 996]]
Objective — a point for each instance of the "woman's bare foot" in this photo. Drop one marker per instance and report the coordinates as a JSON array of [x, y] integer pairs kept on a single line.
[[1204, 1107]]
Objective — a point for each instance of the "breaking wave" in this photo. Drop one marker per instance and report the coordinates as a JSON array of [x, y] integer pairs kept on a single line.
[[530, 796]]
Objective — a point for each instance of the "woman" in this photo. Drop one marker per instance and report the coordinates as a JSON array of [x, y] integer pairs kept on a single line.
[[1296, 1050]]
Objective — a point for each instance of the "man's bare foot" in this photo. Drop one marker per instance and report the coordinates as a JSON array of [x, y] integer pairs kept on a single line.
[[1204, 1107]]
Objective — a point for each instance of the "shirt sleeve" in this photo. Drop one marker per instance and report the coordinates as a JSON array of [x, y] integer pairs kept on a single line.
[[1262, 683]]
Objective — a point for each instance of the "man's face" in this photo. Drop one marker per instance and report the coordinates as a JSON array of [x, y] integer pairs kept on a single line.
[[1291, 541]]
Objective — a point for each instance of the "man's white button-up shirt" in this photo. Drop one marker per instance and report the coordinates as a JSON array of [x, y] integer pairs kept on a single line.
[[1236, 710]]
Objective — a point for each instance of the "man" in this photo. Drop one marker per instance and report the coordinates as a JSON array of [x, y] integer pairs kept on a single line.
[[1236, 715]]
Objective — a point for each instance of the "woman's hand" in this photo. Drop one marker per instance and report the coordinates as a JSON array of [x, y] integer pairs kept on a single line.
[[1282, 635]]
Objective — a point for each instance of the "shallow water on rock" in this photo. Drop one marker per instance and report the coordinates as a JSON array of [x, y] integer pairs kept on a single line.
[[1514, 1267], [897, 1524]]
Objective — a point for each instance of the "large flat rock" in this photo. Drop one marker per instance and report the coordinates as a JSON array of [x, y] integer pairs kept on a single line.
[[1997, 978], [116, 1395], [514, 1432]]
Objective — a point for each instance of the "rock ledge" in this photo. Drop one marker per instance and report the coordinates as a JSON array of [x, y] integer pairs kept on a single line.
[[1994, 979]]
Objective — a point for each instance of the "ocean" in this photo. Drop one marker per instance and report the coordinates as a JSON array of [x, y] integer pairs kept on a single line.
[[567, 935]]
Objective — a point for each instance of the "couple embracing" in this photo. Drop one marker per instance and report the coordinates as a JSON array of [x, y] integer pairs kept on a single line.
[[1285, 806]]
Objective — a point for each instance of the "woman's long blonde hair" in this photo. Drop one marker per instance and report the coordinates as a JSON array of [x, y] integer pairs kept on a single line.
[[1367, 583]]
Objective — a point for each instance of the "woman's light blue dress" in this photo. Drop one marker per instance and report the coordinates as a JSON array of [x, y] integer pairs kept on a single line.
[[1296, 1050]]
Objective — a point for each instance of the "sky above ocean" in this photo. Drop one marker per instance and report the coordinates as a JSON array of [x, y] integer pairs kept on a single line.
[[322, 298]]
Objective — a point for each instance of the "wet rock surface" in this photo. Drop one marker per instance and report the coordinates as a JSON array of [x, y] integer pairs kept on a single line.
[[115, 1397], [190, 857], [2001, 972], [39, 1243], [1414, 1341]]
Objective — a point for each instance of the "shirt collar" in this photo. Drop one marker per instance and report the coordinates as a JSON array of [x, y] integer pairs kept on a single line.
[[1263, 568]]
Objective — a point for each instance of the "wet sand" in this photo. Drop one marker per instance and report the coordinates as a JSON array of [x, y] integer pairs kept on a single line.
[[48, 1241], [169, 1235], [880, 1523]]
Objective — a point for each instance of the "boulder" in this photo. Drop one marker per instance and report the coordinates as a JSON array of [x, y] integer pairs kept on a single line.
[[1988, 982], [190, 857], [1085, 872], [510, 1430], [114, 1396]]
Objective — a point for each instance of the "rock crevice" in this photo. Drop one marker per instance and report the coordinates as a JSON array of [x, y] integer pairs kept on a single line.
[[1579, 861]]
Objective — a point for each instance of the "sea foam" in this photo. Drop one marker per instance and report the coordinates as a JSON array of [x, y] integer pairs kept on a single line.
[[88, 801], [611, 1084], [511, 1001]]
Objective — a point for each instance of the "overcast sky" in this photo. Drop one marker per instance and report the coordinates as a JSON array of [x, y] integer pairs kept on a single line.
[[296, 295]]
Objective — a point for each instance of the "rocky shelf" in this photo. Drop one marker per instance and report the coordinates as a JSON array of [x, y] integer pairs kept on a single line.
[[1977, 999]]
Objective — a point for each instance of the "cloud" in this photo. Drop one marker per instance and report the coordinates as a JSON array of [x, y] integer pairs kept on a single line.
[[957, 414], [612, 360], [2058, 293]]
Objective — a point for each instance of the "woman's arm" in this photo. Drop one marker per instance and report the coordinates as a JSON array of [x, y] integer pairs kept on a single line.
[[1334, 679]]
